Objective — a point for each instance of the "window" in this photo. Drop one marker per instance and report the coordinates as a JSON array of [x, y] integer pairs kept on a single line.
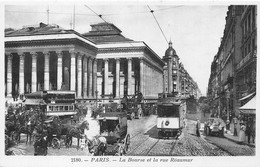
[[245, 27], [168, 111], [55, 108], [249, 47], [245, 50], [70, 107], [60, 108], [66, 108], [253, 17], [249, 22], [253, 44]]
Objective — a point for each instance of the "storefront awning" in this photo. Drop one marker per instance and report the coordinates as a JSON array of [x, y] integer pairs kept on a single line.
[[249, 107], [243, 98]]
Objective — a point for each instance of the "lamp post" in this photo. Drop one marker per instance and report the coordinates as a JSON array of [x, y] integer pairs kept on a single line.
[[96, 92], [235, 126], [228, 96]]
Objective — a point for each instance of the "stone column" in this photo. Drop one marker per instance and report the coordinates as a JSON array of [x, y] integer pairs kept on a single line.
[[59, 69], [117, 78], [170, 86], [106, 77], [9, 75], [149, 80], [142, 75], [90, 80], [46, 70], [34, 71], [129, 76], [79, 82], [85, 75], [21, 73], [72, 70], [94, 76]]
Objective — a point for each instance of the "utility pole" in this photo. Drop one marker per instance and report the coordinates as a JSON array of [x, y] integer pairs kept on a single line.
[[48, 15], [73, 17]]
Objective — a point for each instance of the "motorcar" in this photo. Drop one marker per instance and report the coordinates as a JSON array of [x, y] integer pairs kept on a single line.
[[214, 126]]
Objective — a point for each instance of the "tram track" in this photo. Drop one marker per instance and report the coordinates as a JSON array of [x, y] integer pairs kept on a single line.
[[136, 147], [174, 143], [152, 147]]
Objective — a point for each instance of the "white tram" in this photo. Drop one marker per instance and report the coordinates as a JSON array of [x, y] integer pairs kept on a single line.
[[169, 119]]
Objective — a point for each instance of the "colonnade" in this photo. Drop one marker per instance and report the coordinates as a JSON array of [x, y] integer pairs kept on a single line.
[[82, 73], [139, 75], [82, 68]]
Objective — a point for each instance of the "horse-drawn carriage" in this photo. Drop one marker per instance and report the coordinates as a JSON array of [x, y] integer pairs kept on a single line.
[[113, 127], [58, 130]]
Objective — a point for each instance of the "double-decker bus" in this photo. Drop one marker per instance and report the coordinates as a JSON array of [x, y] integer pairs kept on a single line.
[[54, 102]]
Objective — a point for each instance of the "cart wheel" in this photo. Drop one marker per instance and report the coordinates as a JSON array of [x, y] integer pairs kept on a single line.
[[140, 113], [81, 118], [6, 141], [207, 131], [127, 143], [120, 151], [55, 143], [132, 115], [14, 137]]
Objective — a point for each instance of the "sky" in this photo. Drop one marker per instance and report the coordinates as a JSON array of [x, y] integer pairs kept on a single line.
[[195, 30]]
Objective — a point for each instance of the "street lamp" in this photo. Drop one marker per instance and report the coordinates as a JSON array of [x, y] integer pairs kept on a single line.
[[96, 92], [228, 96]]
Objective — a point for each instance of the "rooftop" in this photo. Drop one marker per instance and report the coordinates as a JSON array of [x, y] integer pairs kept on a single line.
[[105, 33], [41, 29]]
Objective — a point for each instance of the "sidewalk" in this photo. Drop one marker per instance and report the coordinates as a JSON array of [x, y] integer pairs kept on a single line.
[[229, 135]]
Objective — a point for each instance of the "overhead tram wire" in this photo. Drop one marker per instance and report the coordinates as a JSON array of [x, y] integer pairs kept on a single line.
[[143, 12], [99, 15], [152, 11]]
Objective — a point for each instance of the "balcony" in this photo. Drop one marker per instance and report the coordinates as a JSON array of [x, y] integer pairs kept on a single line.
[[248, 57]]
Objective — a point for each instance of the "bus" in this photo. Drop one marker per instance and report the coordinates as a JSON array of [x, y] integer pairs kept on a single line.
[[54, 102]]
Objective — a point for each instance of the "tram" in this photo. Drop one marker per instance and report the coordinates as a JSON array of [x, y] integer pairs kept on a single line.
[[170, 117]]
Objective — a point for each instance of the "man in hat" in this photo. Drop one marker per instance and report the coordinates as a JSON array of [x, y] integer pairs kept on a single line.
[[198, 127]]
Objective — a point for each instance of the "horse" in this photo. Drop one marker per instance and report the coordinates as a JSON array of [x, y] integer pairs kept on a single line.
[[11, 126], [97, 146], [30, 121], [75, 131]]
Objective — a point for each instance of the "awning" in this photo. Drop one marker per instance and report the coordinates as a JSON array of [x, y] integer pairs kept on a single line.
[[243, 98], [249, 107], [34, 102]]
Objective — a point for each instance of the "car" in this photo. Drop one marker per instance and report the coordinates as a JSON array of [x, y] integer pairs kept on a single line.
[[214, 126]]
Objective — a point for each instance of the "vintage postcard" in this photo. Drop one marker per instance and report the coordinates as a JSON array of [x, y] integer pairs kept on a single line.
[[129, 83]]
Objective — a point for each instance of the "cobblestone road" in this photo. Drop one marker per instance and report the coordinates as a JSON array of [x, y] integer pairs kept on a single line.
[[144, 142]]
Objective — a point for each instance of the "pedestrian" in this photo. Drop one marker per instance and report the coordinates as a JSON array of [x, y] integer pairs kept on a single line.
[[249, 130], [242, 135], [198, 127]]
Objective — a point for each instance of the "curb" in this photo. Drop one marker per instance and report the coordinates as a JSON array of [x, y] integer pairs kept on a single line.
[[239, 142]]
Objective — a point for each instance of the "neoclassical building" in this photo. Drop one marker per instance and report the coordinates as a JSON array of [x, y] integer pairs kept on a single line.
[[99, 64]]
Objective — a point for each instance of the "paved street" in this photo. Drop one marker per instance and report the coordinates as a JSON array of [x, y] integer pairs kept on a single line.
[[144, 142]]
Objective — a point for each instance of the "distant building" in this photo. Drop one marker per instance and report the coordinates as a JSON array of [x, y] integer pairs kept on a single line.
[[99, 64], [233, 69], [176, 80]]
